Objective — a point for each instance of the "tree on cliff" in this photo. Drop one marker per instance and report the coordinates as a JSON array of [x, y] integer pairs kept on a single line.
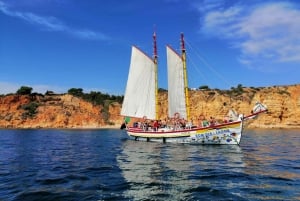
[[76, 92], [94, 97], [98, 98], [24, 90], [204, 87]]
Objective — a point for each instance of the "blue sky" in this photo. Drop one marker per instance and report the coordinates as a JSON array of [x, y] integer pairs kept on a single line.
[[60, 44]]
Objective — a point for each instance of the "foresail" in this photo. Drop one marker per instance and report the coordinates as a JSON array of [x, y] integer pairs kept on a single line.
[[176, 96], [139, 98]]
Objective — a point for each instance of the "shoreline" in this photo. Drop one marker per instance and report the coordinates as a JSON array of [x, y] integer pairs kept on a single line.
[[118, 127], [59, 128]]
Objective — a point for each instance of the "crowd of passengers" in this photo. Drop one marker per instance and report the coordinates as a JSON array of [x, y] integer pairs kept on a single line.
[[178, 123]]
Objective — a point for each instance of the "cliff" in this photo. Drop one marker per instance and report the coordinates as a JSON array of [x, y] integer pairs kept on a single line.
[[54, 111], [67, 111]]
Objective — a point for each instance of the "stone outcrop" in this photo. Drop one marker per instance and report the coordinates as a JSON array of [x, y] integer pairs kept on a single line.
[[67, 111], [51, 111], [283, 104]]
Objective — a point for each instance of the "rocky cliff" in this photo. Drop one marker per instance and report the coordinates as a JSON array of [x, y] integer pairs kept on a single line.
[[54, 111], [67, 111]]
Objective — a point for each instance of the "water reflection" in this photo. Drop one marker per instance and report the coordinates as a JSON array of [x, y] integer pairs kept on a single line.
[[273, 162], [273, 153], [177, 172], [102, 165]]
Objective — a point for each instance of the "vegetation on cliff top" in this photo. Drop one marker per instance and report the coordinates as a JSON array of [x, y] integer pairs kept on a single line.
[[98, 98]]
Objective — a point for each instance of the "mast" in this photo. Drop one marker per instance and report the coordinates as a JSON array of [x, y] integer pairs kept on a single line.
[[186, 89], [155, 69]]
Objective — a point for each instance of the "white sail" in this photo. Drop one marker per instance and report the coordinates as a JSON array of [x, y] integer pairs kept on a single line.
[[140, 101], [139, 98], [176, 96]]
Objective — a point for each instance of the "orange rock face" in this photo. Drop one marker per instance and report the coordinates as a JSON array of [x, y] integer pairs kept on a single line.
[[67, 111], [58, 111]]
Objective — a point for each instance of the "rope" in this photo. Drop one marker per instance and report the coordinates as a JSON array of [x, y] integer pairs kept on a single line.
[[207, 65]]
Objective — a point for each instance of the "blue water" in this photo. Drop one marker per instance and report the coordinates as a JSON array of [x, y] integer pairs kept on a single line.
[[105, 165]]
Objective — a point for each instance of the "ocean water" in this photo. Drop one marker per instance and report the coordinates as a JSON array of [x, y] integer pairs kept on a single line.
[[105, 165]]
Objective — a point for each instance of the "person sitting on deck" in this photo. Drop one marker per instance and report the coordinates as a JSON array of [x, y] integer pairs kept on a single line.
[[170, 123], [189, 124], [182, 123], [163, 123], [202, 122], [145, 125], [226, 119], [212, 121], [176, 124], [205, 123]]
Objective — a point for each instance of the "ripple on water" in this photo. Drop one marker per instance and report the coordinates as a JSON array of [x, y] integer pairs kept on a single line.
[[103, 165], [45, 195]]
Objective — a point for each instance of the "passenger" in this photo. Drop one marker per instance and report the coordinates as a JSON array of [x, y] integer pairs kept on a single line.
[[226, 119], [145, 125], [212, 121], [205, 123], [189, 124], [170, 123], [159, 123], [155, 125], [176, 124], [163, 123], [182, 123], [200, 120], [139, 124]]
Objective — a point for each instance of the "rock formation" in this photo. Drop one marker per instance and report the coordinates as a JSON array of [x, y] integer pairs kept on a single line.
[[67, 111]]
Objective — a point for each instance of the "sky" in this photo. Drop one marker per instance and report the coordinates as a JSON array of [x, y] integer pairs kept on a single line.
[[61, 44]]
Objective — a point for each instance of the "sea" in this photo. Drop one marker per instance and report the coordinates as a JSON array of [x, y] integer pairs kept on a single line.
[[104, 164]]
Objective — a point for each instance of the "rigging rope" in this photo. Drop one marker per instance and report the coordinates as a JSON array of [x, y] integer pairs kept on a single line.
[[206, 64]]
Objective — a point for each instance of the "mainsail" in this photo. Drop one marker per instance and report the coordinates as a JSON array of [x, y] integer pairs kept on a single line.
[[139, 98], [176, 87]]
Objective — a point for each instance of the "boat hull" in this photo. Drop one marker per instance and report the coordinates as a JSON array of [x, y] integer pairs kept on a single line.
[[222, 134]]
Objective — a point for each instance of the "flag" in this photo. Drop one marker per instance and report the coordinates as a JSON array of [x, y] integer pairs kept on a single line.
[[127, 120]]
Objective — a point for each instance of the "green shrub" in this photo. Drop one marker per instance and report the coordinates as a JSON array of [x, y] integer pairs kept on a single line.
[[204, 87], [24, 90], [30, 109]]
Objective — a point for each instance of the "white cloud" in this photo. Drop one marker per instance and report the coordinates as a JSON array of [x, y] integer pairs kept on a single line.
[[207, 5], [273, 29], [51, 24], [225, 22], [8, 87], [261, 32]]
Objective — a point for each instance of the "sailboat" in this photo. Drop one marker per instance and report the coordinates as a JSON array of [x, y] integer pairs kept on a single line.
[[140, 102]]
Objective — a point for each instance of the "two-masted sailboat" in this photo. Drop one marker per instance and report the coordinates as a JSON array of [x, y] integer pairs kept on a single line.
[[140, 101]]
